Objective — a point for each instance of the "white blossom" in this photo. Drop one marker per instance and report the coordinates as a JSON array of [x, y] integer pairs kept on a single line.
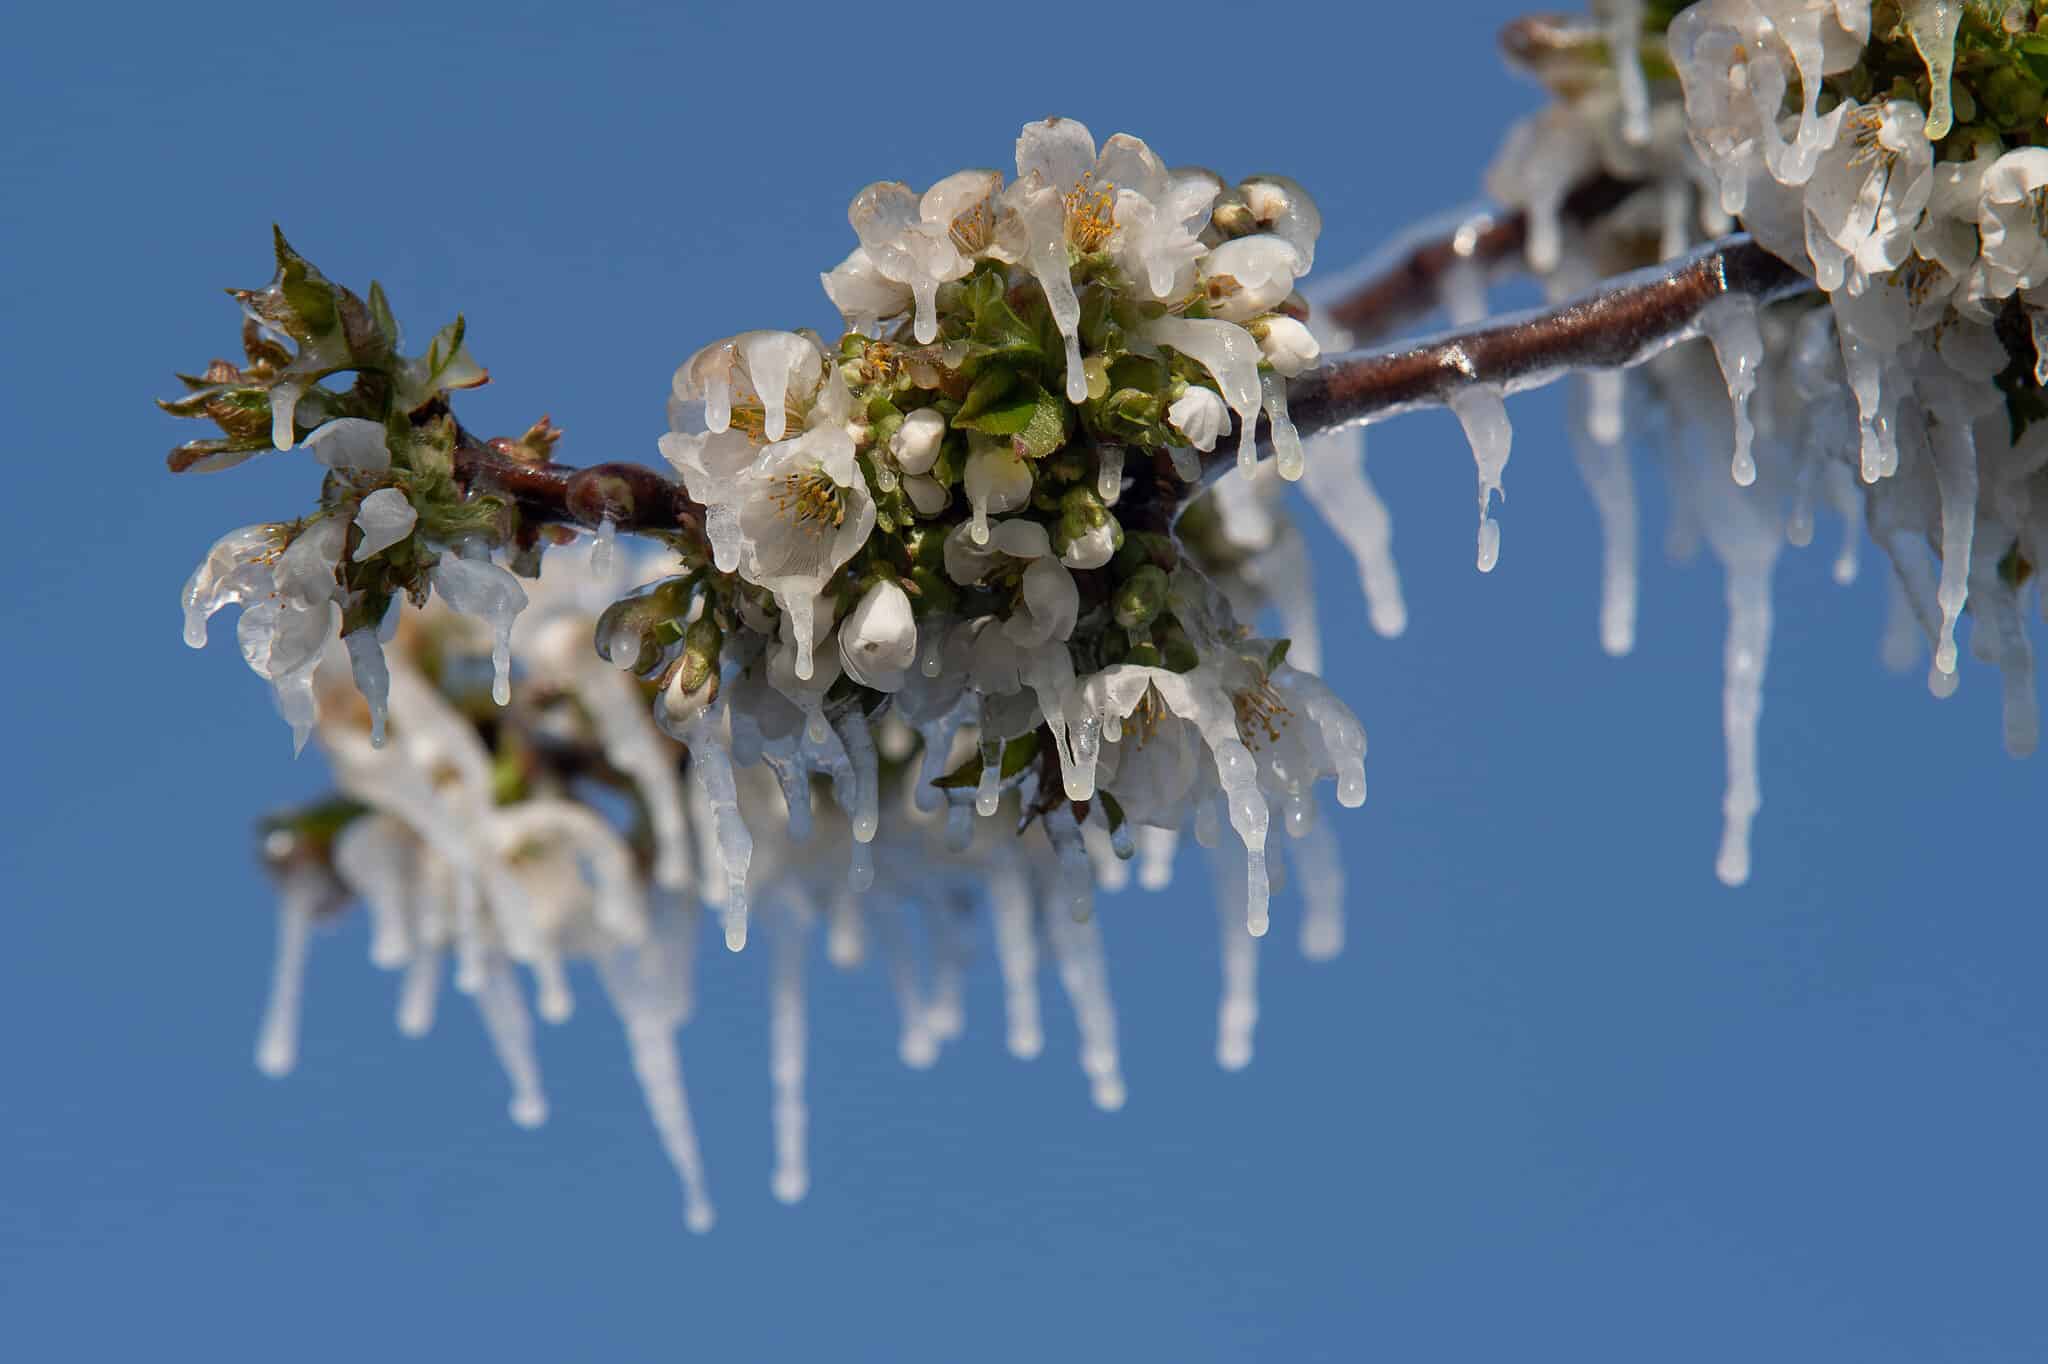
[[878, 639], [1200, 415]]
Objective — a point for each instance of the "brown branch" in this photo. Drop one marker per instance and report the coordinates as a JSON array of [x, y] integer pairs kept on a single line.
[[1622, 323], [1412, 287], [634, 498]]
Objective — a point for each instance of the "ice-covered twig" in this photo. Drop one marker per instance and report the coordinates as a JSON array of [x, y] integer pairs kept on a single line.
[[630, 497], [1624, 322], [1411, 285]]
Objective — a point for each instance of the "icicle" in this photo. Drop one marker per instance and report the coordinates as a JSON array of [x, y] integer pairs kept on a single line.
[[1109, 473], [1319, 872], [1748, 646], [1842, 495], [277, 1042], [959, 827], [1338, 489], [601, 548], [1077, 948], [860, 867], [1110, 873], [1017, 955], [986, 794], [1624, 47], [1156, 848], [946, 1014], [1187, 465], [915, 1044], [1078, 774], [931, 659], [474, 586], [845, 937], [1288, 459], [1597, 408], [284, 406], [860, 752], [1238, 1010], [1461, 290], [2037, 321], [1208, 824], [1955, 474], [1076, 874], [1932, 26], [711, 761], [416, 995], [505, 1018], [373, 678], [1864, 367], [801, 608], [1739, 346], [792, 1178], [1485, 419], [658, 1065], [1230, 355]]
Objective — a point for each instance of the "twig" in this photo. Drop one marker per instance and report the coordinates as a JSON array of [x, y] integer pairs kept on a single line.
[[1412, 286], [1622, 323]]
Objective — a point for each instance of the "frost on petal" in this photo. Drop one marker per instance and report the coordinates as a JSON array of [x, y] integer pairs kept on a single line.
[[385, 517], [236, 569], [351, 444], [480, 588]]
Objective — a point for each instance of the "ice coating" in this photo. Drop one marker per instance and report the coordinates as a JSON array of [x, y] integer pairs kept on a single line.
[[1955, 476], [300, 895], [1237, 1012], [1484, 417], [1748, 646], [1109, 473], [1319, 876], [477, 587], [712, 766], [237, 569], [1624, 28], [1077, 952], [385, 517], [1230, 355], [372, 675], [504, 1015], [1017, 956], [603, 546], [1288, 457], [1156, 849], [1596, 426], [284, 406], [1932, 26], [1739, 346], [1336, 485], [792, 1178]]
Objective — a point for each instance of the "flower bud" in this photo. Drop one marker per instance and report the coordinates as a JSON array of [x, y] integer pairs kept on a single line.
[[1200, 415], [1139, 598], [1286, 345], [916, 443], [702, 642], [1248, 276], [878, 639]]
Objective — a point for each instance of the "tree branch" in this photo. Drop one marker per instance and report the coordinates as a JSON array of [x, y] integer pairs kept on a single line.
[[1622, 323], [1412, 287], [633, 497]]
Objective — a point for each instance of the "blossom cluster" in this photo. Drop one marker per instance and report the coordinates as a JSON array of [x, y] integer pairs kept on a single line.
[[477, 834], [937, 627]]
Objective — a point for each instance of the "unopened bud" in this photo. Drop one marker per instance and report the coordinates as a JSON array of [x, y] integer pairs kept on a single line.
[[1139, 598]]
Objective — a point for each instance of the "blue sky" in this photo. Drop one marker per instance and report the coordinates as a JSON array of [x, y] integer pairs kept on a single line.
[[1564, 1096]]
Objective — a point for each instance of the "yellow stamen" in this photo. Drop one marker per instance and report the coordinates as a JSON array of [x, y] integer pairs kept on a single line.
[[810, 499], [1091, 214]]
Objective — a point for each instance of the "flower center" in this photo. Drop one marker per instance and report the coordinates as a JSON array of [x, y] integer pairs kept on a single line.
[[1866, 127], [1261, 714], [810, 500], [1091, 214]]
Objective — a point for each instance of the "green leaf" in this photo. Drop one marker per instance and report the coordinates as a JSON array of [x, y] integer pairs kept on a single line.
[[987, 390], [303, 287], [1034, 419]]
